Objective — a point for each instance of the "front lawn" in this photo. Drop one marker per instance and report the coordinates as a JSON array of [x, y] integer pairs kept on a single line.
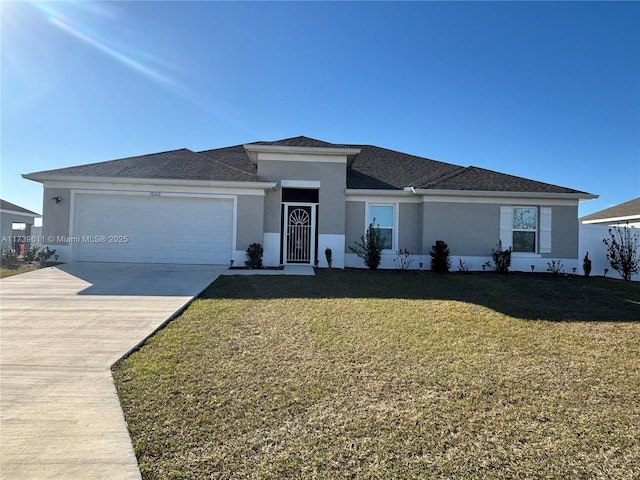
[[9, 272], [357, 374]]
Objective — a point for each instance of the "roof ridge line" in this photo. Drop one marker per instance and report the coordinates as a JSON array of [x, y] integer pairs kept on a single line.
[[447, 176], [228, 166]]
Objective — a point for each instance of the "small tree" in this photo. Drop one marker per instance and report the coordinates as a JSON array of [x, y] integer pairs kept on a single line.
[[501, 258], [586, 265], [622, 251], [329, 256], [440, 261], [370, 246]]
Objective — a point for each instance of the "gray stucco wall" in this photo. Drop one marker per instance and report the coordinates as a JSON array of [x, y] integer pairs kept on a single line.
[[410, 227], [564, 232], [55, 216], [354, 226], [468, 229], [272, 220], [474, 229], [332, 178], [250, 215]]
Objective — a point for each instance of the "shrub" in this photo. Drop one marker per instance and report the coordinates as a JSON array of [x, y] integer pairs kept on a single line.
[[464, 265], [254, 256], [555, 267], [329, 256], [440, 261], [403, 259], [10, 260], [43, 256], [622, 251], [586, 265], [30, 254], [370, 246], [501, 258]]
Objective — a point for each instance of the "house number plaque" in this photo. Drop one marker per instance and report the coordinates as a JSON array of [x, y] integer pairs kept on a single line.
[[155, 194]]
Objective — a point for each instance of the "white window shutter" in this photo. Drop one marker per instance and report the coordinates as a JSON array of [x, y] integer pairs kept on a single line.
[[506, 227], [545, 230]]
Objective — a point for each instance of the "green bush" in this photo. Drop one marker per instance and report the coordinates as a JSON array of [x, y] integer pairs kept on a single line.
[[501, 258], [10, 260], [440, 261], [254, 256], [30, 254], [43, 256], [370, 246]]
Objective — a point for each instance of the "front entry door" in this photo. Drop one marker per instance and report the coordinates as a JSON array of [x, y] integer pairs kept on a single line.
[[299, 241]]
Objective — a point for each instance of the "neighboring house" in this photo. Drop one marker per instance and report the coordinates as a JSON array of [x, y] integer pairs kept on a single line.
[[297, 197], [9, 215], [627, 213], [595, 227]]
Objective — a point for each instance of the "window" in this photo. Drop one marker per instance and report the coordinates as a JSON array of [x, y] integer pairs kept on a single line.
[[524, 228], [382, 217]]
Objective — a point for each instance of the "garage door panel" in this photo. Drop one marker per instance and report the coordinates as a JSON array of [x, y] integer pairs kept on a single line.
[[157, 229]]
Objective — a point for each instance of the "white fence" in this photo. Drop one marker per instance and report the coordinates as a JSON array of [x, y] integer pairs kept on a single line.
[[591, 237]]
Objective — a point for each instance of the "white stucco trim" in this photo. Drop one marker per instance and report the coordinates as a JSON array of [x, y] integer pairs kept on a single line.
[[254, 150], [271, 249], [336, 244], [300, 184]]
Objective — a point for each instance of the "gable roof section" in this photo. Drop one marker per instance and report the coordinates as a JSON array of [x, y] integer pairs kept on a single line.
[[180, 164], [626, 210], [12, 207]]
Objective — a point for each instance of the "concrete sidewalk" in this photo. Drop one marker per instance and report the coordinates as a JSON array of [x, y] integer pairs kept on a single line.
[[61, 329]]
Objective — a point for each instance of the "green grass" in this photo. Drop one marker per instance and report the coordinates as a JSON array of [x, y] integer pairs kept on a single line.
[[8, 272], [357, 374]]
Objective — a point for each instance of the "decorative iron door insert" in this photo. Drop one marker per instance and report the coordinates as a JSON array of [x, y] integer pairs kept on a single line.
[[299, 233]]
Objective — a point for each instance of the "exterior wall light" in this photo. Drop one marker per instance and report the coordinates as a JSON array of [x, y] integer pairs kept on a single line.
[[56, 199]]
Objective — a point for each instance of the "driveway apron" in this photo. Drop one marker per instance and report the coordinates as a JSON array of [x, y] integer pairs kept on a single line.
[[61, 329]]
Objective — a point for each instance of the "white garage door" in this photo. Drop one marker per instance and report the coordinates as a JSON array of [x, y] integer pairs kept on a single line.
[[139, 228]]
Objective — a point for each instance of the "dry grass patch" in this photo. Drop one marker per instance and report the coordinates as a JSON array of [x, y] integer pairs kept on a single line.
[[283, 377]]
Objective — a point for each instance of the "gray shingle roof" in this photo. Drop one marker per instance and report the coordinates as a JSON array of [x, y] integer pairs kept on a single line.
[[480, 179], [373, 168], [626, 209], [180, 164], [4, 205]]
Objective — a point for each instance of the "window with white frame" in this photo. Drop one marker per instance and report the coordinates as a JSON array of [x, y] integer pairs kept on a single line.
[[524, 229], [382, 217]]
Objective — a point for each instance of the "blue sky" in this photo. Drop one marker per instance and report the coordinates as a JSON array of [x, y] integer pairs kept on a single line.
[[549, 90]]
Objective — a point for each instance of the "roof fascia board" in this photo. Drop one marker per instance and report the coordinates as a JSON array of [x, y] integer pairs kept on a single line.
[[369, 192], [74, 179], [613, 219], [254, 149], [481, 193], [20, 214]]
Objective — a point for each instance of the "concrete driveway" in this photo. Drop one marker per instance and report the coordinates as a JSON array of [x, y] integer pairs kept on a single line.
[[61, 329]]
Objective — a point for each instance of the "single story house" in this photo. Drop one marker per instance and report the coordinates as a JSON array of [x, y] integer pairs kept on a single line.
[[623, 214], [11, 214], [298, 197]]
